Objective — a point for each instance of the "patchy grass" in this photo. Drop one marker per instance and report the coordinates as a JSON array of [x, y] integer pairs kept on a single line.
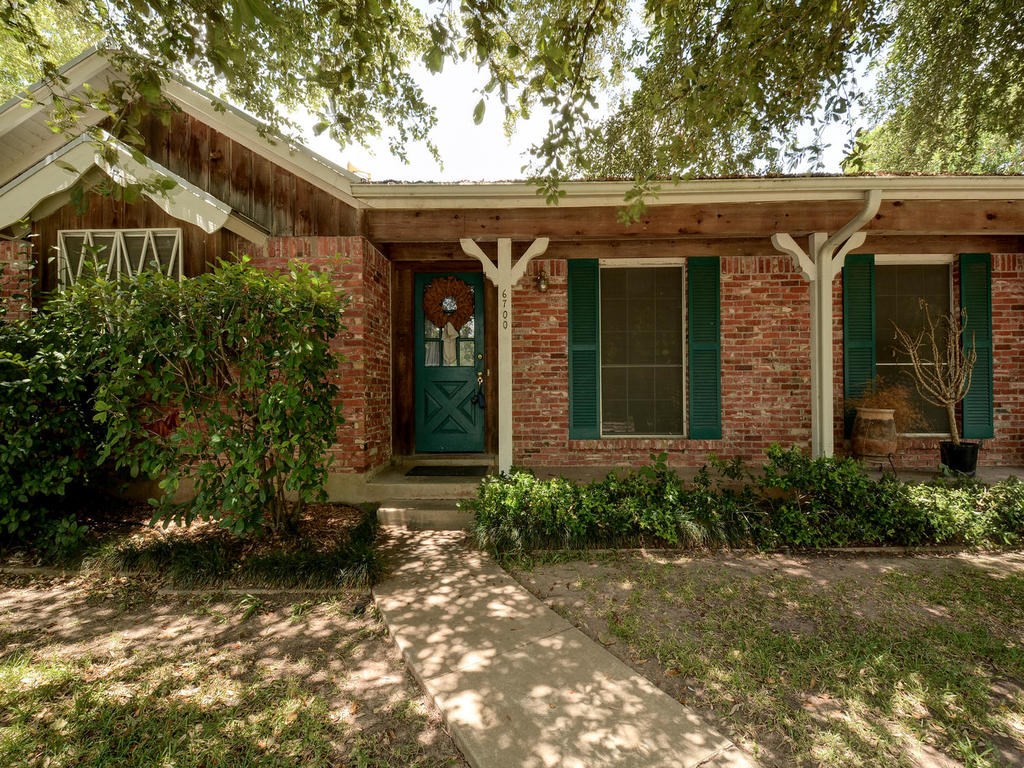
[[333, 547], [104, 673], [821, 661]]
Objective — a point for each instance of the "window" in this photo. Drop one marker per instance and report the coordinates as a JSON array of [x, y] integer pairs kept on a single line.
[[645, 358], [898, 286], [118, 252], [642, 371]]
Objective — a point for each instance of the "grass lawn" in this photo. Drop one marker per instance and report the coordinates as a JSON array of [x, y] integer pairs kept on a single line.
[[178, 648], [819, 661]]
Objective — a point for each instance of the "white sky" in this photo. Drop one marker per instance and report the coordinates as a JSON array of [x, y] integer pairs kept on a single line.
[[468, 152]]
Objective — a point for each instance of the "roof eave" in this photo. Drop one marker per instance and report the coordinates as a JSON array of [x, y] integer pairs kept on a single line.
[[705, 191]]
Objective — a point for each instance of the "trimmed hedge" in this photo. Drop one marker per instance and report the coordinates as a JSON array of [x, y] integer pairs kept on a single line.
[[795, 502]]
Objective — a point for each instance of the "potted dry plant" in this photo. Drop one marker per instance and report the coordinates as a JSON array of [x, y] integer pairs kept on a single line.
[[942, 367]]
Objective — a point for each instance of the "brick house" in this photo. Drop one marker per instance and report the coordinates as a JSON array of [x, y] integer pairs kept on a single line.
[[736, 313]]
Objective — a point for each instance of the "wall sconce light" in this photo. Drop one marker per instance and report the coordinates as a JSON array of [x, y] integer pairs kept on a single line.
[[542, 281]]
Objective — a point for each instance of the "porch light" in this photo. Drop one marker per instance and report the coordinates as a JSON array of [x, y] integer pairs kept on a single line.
[[542, 281]]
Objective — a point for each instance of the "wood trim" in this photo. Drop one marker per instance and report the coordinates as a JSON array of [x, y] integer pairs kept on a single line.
[[895, 217], [918, 245]]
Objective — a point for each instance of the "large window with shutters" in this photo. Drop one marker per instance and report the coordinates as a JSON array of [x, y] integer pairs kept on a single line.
[[644, 349], [118, 252], [880, 290], [642, 363]]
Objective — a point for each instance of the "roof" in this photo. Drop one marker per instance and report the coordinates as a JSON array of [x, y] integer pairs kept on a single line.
[[422, 196], [26, 137], [60, 170]]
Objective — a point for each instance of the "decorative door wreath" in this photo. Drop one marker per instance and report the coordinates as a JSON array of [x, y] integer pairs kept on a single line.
[[448, 300]]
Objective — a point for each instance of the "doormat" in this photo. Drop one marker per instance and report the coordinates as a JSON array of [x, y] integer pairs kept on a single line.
[[462, 470]]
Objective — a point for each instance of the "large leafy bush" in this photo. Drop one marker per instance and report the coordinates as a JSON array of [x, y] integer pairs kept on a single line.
[[224, 381], [48, 443]]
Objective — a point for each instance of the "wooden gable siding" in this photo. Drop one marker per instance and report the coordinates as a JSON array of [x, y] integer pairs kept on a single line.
[[102, 212], [276, 199]]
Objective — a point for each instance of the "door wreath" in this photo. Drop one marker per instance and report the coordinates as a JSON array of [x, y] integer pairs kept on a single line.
[[448, 300]]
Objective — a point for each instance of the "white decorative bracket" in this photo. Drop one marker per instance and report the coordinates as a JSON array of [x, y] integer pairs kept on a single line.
[[825, 260], [504, 275]]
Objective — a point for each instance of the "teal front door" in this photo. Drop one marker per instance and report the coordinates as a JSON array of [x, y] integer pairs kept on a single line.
[[449, 341]]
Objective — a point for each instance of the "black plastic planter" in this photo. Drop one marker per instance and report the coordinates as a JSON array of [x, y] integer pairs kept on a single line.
[[961, 458]]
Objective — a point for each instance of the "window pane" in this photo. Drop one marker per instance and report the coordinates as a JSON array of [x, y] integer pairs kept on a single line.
[[642, 351], [898, 291]]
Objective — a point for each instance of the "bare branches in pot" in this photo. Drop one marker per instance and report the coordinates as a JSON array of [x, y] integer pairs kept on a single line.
[[941, 365]]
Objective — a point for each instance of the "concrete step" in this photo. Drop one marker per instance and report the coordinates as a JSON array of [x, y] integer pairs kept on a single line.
[[424, 515], [393, 484]]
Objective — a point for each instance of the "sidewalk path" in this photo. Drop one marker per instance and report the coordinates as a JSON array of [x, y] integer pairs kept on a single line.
[[516, 683]]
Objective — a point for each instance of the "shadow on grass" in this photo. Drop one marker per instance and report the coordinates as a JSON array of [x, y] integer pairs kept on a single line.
[[914, 662], [319, 557]]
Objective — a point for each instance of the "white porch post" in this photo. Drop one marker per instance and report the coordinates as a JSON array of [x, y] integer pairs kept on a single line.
[[820, 269], [504, 275]]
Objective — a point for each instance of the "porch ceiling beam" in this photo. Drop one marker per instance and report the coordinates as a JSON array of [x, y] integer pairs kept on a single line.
[[721, 246], [505, 274], [893, 217], [819, 264]]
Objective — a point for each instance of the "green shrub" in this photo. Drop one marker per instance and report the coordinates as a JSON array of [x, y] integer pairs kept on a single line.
[[49, 443], [796, 502], [225, 379]]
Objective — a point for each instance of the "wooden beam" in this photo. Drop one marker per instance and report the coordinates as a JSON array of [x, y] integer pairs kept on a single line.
[[702, 246], [904, 217]]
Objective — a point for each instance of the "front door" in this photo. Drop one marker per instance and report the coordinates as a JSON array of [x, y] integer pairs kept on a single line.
[[449, 347]]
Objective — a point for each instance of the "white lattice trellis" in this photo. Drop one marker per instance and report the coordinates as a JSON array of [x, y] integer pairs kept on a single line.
[[118, 252]]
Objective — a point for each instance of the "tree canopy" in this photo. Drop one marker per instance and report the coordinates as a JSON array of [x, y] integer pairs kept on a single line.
[[661, 88]]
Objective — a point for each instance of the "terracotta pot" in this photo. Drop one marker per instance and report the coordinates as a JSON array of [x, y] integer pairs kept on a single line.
[[961, 458], [874, 432]]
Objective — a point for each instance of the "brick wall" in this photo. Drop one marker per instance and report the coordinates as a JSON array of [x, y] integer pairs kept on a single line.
[[1007, 448], [15, 278], [362, 273], [765, 371]]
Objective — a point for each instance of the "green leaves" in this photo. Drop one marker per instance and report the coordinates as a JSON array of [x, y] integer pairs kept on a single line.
[[223, 380]]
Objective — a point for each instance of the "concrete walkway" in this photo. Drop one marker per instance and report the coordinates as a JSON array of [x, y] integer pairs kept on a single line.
[[516, 683]]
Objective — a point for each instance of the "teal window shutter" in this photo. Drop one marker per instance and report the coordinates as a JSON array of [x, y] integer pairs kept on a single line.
[[703, 306], [976, 301], [859, 356], [584, 349]]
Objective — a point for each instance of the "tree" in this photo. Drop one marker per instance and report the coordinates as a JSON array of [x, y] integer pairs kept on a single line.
[[889, 148], [63, 29], [660, 88]]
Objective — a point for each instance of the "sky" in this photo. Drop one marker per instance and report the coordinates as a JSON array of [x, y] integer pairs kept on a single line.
[[469, 152]]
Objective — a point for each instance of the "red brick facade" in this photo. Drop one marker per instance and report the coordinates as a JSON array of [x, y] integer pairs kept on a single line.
[[15, 278], [765, 371], [362, 273]]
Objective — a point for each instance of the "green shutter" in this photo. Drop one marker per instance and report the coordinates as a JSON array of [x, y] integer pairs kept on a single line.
[[584, 349], [976, 301], [705, 347], [858, 328]]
